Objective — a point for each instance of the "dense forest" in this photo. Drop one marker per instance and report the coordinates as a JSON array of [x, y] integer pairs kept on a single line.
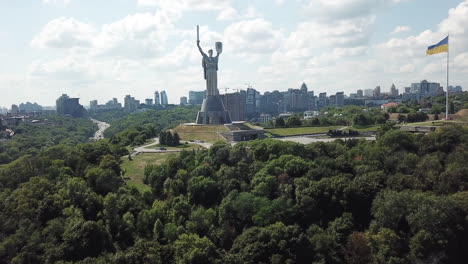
[[159, 119], [31, 138], [135, 129], [400, 199]]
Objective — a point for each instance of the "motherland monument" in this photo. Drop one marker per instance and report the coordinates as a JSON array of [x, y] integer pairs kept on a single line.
[[212, 111]]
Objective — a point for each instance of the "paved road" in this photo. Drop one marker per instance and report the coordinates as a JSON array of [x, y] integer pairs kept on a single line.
[[145, 149], [102, 126]]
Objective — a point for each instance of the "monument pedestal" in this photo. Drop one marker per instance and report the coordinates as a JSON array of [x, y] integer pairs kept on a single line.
[[213, 112]]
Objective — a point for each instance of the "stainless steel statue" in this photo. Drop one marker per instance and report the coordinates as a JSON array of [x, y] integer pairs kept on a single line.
[[210, 66]]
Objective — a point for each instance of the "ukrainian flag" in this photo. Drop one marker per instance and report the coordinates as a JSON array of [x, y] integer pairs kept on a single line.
[[440, 47]]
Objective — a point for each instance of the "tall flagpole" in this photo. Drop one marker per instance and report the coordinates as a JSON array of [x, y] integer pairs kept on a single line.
[[447, 92]]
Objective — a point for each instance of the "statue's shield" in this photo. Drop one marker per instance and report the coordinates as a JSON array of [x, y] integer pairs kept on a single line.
[[219, 47]]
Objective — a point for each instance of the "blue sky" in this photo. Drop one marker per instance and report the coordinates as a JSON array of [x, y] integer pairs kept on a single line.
[[103, 49]]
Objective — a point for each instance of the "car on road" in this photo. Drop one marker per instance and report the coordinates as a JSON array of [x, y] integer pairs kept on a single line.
[[161, 148]]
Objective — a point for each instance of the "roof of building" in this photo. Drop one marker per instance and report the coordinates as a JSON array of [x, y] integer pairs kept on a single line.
[[390, 104]]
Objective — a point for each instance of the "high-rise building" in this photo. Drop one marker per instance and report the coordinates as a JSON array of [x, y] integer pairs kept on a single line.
[[332, 100], [69, 106], [93, 105], [393, 91], [14, 109], [164, 101], [29, 107], [455, 89], [359, 94], [235, 103], [340, 99], [157, 101], [183, 100], [422, 89], [250, 101], [130, 104], [196, 97], [322, 100], [376, 92], [149, 101], [311, 100], [368, 92]]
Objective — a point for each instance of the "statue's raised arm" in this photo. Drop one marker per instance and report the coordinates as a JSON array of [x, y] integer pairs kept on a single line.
[[200, 49]]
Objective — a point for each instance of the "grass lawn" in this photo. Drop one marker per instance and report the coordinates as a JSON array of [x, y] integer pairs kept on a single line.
[[188, 146], [299, 130], [134, 169], [207, 133]]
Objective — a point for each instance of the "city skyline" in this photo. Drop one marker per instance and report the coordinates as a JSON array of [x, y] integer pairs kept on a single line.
[[141, 45]]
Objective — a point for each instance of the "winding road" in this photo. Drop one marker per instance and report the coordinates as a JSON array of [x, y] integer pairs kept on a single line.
[[102, 126]]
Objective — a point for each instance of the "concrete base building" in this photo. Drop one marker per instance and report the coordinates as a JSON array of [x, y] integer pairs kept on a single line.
[[213, 112]]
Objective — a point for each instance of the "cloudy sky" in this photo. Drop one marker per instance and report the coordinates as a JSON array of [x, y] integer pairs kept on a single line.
[[109, 48]]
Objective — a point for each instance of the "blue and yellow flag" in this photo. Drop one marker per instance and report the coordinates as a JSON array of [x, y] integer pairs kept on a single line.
[[442, 46]]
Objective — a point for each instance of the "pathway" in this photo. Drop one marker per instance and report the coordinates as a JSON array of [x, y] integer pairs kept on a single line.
[[102, 126], [146, 149]]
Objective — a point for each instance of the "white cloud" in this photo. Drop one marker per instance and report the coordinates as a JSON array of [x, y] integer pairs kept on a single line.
[[65, 33], [228, 14], [255, 36], [407, 68], [139, 36], [400, 29], [187, 4]]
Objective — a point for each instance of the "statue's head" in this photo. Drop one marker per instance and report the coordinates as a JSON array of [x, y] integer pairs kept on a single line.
[[210, 52]]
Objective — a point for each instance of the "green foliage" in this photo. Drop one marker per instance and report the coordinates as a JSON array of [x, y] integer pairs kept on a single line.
[[31, 138], [401, 199], [279, 122], [157, 119]]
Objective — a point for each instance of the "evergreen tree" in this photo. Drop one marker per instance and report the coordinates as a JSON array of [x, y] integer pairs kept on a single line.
[[169, 139], [162, 138], [176, 139]]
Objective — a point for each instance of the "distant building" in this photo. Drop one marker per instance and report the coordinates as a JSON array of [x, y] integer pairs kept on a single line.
[[196, 97], [386, 106], [235, 103], [394, 91], [359, 94], [183, 100], [157, 100], [250, 101], [368, 92], [69, 106], [29, 107], [340, 99], [322, 100], [14, 109], [311, 100], [93, 105], [455, 89], [310, 114], [421, 90], [149, 101], [164, 101], [130, 104], [376, 92], [332, 100], [265, 118]]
